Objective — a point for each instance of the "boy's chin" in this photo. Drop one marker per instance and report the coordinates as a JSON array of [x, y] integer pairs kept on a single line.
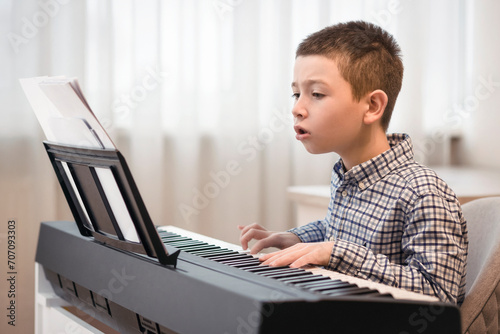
[[315, 150]]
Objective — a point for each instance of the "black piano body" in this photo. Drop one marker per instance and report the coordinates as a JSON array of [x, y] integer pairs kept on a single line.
[[136, 294]]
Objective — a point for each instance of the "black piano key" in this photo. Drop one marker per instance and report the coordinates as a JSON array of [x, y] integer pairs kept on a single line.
[[206, 254], [211, 252], [198, 248], [244, 265], [289, 270], [171, 235], [310, 285], [178, 242], [326, 287], [232, 256], [237, 256], [265, 268], [166, 234], [233, 262], [229, 255], [163, 232], [290, 274], [240, 259], [214, 251], [351, 291], [314, 285], [190, 241], [282, 271], [181, 245], [187, 245], [310, 279], [243, 257], [241, 264], [321, 286], [174, 239], [226, 253]]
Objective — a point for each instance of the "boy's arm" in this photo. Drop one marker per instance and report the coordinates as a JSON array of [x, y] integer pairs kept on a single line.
[[316, 230], [435, 245], [312, 232]]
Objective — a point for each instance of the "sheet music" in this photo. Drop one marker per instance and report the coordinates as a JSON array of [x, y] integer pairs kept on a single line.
[[117, 204], [63, 112]]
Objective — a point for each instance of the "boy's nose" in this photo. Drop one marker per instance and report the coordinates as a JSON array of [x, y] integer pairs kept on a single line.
[[298, 111]]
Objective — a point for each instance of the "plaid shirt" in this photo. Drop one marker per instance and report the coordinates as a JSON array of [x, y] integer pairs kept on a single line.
[[395, 222]]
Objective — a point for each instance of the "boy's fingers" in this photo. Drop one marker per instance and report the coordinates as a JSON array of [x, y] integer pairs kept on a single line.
[[246, 237], [301, 261], [265, 257], [245, 228], [300, 255], [269, 239], [243, 239], [285, 257], [261, 244]]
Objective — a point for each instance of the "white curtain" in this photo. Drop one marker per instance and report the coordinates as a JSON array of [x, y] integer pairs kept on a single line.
[[196, 95]]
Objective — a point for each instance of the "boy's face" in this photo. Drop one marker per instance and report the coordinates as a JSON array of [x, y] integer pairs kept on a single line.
[[326, 117]]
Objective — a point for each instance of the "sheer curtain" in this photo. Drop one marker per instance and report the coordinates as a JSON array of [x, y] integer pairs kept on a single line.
[[196, 95]]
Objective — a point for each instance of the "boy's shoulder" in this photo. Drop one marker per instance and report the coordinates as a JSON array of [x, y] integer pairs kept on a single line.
[[422, 180]]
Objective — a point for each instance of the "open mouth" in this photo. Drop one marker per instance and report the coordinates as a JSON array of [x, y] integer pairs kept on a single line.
[[299, 130], [302, 134]]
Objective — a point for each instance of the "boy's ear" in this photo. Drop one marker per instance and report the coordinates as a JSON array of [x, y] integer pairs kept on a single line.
[[377, 101]]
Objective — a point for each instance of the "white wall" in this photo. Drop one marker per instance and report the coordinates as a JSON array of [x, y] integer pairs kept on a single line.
[[481, 114]]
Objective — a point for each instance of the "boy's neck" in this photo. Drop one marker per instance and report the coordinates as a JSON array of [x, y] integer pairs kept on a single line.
[[368, 147]]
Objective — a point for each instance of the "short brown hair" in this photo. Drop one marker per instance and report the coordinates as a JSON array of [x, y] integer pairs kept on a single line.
[[367, 56]]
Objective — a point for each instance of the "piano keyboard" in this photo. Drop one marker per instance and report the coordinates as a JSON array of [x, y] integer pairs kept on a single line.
[[217, 288], [311, 278]]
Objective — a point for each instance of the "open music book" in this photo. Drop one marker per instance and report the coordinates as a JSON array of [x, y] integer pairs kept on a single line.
[[63, 112]]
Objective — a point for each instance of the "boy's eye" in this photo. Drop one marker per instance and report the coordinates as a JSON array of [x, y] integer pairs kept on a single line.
[[317, 95], [295, 96]]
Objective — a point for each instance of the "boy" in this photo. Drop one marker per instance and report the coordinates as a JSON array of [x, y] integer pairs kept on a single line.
[[390, 219]]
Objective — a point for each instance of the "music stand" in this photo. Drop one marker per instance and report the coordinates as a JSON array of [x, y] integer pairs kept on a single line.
[[105, 200]]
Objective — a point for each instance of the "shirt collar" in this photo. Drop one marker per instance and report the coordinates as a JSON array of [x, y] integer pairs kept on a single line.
[[369, 172]]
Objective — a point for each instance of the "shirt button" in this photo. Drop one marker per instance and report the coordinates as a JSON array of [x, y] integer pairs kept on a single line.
[[344, 193]]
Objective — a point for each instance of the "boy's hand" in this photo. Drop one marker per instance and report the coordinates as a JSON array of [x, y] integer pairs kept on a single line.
[[265, 238], [301, 254]]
